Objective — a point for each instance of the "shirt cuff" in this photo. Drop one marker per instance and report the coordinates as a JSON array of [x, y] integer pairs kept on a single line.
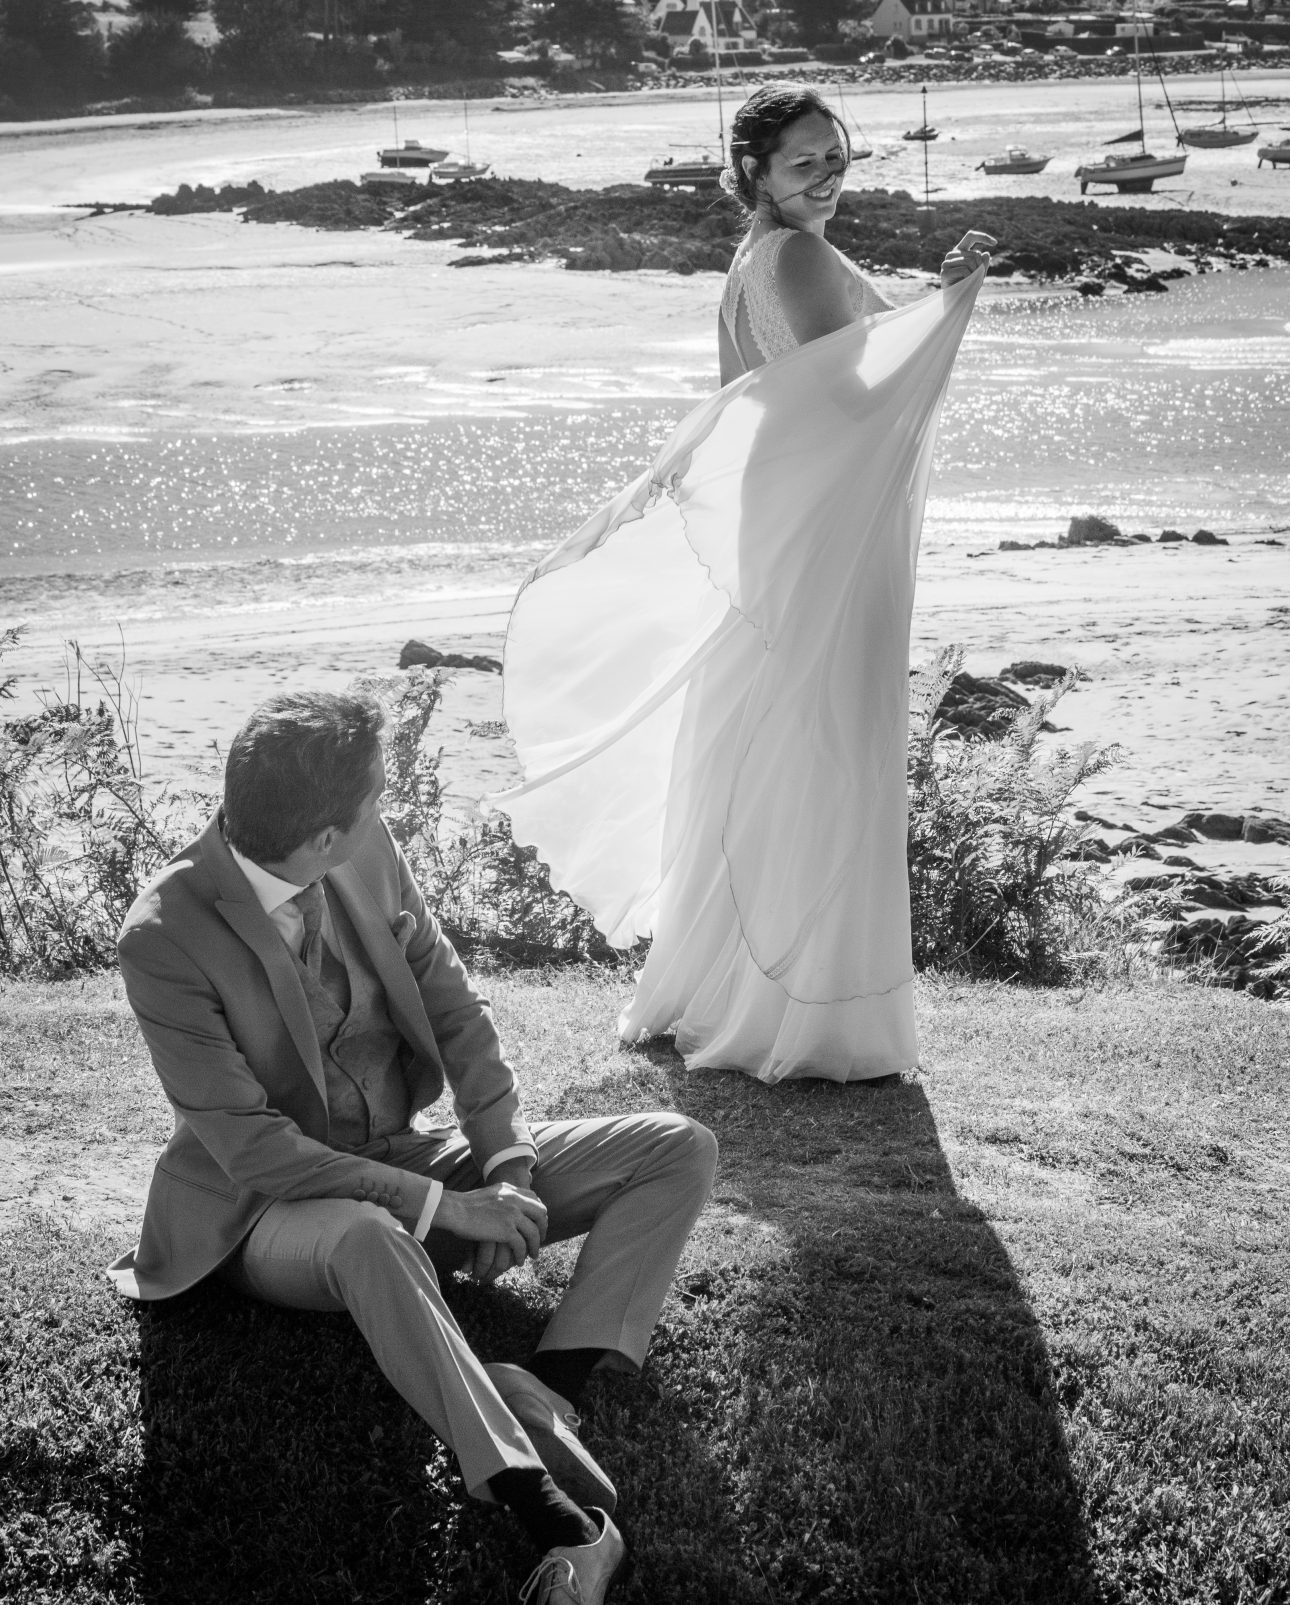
[[513, 1152], [428, 1210]]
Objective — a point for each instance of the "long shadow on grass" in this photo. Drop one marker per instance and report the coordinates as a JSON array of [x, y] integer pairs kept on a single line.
[[852, 1400], [279, 1466]]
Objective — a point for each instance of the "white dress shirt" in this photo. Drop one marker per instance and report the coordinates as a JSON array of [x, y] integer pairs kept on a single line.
[[274, 896]]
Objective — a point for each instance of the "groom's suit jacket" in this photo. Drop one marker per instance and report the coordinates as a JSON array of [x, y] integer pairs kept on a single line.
[[219, 1001]]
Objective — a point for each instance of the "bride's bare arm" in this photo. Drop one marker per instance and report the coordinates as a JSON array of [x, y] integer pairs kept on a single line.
[[731, 366], [812, 283]]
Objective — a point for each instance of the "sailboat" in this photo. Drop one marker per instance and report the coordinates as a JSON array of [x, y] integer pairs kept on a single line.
[[411, 153], [1139, 171], [696, 169], [861, 149], [455, 167], [1215, 136]]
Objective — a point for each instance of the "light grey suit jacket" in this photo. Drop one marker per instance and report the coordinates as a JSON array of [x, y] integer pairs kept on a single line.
[[221, 1007]]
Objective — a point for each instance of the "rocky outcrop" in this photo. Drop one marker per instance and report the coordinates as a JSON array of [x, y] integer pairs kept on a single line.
[[631, 226], [417, 652]]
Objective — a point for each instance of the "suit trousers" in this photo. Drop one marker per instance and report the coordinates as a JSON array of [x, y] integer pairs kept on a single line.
[[634, 1184]]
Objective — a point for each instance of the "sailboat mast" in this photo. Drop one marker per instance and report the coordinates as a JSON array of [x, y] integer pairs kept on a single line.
[[465, 117], [716, 59], [1137, 73]]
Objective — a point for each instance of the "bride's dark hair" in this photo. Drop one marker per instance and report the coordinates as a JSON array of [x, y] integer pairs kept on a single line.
[[758, 127]]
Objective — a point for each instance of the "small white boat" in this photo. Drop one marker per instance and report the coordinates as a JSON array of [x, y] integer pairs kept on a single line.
[[411, 153], [388, 178], [1277, 155], [1134, 173], [699, 170], [459, 167], [1015, 159], [924, 134]]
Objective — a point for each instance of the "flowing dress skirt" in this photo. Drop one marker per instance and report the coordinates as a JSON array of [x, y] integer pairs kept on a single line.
[[707, 686]]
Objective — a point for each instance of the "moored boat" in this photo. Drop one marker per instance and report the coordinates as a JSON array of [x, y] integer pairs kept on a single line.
[[1277, 155], [700, 170], [1134, 173], [924, 134], [1139, 171], [1220, 135], [457, 167], [388, 178], [411, 153], [1015, 159]]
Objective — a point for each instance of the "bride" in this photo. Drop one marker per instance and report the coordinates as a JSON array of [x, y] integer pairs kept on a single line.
[[707, 683]]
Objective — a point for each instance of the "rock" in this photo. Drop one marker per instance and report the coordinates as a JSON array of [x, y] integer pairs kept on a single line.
[[1180, 861], [419, 652], [1015, 546], [1178, 835], [1218, 827], [1092, 850], [1255, 829], [1169, 535], [1091, 287], [1032, 673], [1090, 530], [1138, 846], [1083, 815], [1207, 537], [1270, 541], [978, 706]]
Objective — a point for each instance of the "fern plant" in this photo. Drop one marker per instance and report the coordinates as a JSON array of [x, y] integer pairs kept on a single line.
[[993, 888]]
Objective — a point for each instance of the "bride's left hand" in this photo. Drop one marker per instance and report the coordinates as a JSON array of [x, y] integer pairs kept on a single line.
[[967, 256]]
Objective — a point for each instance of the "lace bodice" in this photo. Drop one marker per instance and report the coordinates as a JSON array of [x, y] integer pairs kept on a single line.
[[752, 277]]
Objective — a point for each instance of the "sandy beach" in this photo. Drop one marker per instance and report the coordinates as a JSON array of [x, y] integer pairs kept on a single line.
[[130, 328]]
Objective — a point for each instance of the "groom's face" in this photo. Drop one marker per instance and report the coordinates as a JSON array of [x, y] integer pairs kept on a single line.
[[345, 843]]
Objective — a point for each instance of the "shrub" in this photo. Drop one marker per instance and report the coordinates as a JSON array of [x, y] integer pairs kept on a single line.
[[487, 891], [79, 832], [993, 890]]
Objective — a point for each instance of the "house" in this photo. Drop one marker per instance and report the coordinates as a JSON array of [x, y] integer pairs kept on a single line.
[[914, 21], [689, 25]]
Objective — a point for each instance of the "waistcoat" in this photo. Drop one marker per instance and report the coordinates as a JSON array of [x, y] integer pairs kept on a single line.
[[363, 1053]]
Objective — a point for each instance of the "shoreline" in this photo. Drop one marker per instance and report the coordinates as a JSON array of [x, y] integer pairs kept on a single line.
[[530, 93]]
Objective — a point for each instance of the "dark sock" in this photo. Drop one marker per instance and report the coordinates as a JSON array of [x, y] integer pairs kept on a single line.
[[548, 1516], [565, 1370]]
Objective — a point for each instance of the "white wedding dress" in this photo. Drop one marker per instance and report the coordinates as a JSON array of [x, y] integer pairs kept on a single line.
[[707, 686]]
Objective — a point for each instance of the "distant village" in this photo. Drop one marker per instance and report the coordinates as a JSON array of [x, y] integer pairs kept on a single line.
[[942, 27]]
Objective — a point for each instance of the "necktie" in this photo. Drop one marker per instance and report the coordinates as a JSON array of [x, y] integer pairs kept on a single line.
[[310, 904]]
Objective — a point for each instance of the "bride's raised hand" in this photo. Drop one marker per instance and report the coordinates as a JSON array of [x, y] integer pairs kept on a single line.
[[967, 256]]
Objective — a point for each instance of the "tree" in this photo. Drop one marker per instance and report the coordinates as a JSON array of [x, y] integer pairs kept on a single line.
[[50, 50], [473, 30], [600, 31], [262, 40], [818, 20], [155, 55], [182, 10]]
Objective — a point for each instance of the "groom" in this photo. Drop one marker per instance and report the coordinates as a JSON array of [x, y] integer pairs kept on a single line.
[[303, 1009]]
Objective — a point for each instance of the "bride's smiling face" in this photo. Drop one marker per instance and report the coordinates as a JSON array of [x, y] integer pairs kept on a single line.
[[802, 180]]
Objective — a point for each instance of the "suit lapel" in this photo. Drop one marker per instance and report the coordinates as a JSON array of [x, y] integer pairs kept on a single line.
[[407, 1009], [238, 905]]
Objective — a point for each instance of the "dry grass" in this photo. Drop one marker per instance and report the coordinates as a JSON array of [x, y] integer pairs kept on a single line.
[[1014, 1330]]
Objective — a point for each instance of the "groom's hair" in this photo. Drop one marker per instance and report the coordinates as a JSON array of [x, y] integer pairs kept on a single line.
[[302, 762]]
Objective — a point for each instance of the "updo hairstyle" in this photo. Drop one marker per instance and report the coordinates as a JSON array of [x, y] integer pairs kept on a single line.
[[758, 127]]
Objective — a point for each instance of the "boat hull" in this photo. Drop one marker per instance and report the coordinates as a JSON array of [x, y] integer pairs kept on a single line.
[[405, 156], [1277, 155], [1217, 138], [1133, 173], [685, 175], [1034, 164]]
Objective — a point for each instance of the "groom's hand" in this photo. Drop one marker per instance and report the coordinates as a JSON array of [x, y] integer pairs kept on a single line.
[[509, 1219]]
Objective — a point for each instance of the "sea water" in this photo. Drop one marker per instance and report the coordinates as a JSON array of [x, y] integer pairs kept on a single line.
[[1155, 411]]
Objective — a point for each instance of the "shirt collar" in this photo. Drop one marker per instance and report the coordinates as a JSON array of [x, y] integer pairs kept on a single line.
[[271, 891]]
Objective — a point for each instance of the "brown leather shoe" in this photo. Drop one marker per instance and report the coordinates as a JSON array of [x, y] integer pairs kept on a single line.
[[578, 1576], [551, 1424]]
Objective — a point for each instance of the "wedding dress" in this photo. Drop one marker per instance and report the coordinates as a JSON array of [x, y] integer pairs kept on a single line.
[[707, 685]]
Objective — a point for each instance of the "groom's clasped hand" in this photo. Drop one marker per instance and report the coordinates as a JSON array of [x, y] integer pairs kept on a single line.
[[506, 1223]]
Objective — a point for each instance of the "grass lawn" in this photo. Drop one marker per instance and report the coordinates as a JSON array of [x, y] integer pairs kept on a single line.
[[1013, 1330]]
